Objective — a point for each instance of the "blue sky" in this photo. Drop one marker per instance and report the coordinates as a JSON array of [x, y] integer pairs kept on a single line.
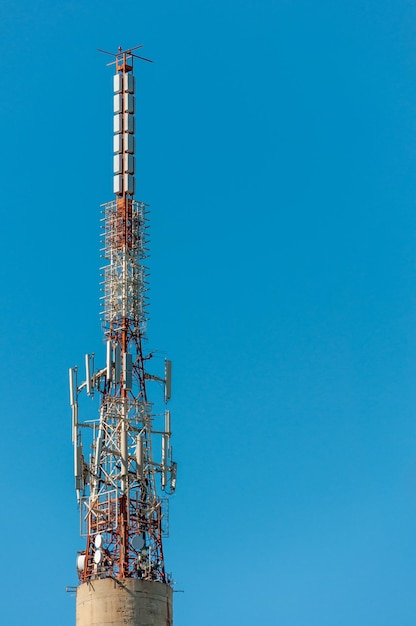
[[277, 151]]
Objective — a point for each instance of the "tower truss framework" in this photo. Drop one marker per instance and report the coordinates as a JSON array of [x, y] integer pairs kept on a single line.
[[121, 481]]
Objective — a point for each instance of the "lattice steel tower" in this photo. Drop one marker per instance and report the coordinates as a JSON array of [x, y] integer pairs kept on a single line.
[[123, 514]]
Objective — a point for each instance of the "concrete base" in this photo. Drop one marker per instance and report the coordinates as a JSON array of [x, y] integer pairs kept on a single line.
[[131, 602]]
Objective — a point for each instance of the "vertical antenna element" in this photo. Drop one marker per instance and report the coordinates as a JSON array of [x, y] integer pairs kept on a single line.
[[119, 485], [89, 368], [72, 385], [168, 379]]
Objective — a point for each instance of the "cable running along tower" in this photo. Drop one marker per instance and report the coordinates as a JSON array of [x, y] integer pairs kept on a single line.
[[124, 475]]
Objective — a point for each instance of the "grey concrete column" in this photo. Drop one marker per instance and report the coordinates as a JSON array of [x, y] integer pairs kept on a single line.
[[128, 602]]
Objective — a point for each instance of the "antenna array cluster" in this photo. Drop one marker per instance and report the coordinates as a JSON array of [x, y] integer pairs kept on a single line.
[[124, 127], [124, 283]]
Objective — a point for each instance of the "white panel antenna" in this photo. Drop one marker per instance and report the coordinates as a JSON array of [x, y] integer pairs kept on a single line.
[[167, 422], [89, 369], [109, 360], [73, 385], [127, 371], [78, 467], [118, 83], [129, 184], [117, 363], [129, 143], [128, 103], [118, 103], [168, 380], [118, 144], [74, 423], [139, 456], [129, 83], [165, 445], [173, 476]]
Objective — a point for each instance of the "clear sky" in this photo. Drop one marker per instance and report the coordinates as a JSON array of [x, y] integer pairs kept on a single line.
[[277, 151]]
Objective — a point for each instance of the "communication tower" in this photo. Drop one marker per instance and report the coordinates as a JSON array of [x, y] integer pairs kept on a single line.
[[123, 457]]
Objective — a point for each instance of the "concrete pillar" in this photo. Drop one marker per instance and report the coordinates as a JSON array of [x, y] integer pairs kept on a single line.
[[128, 602]]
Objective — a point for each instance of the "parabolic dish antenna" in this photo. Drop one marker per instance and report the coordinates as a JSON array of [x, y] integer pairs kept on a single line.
[[98, 555], [98, 541], [80, 562], [138, 542]]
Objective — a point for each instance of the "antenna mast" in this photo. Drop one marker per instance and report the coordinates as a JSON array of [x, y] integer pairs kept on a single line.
[[123, 513]]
